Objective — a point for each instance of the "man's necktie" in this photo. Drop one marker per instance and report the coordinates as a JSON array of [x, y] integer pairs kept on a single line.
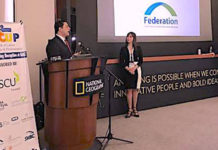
[[67, 43]]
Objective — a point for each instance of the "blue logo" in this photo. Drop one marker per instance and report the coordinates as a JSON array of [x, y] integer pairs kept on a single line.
[[155, 5], [6, 35], [154, 20]]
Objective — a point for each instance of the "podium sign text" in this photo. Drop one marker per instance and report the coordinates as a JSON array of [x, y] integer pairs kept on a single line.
[[88, 85]]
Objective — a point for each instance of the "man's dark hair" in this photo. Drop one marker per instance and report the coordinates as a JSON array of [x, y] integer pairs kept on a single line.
[[58, 24]]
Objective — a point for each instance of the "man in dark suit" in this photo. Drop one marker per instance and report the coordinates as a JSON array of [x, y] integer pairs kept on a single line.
[[59, 46]]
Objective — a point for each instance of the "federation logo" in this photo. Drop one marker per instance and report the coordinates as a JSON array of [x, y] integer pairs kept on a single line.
[[155, 5], [150, 19]]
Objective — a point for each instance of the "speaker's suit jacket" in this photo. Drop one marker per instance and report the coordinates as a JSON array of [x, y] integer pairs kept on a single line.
[[57, 47]]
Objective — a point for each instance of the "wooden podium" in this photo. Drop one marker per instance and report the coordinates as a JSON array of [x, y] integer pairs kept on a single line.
[[70, 122]]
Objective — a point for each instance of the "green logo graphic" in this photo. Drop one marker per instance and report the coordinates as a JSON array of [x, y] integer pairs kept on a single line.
[[17, 77]]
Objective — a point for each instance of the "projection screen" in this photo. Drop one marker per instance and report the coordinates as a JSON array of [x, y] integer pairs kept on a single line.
[[154, 20]]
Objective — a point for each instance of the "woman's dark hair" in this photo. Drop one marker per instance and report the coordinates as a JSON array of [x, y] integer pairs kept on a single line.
[[134, 39], [58, 24]]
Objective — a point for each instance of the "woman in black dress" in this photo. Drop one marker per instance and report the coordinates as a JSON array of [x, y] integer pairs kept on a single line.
[[131, 59]]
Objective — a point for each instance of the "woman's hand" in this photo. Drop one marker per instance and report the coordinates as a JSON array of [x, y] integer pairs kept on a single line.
[[132, 70]]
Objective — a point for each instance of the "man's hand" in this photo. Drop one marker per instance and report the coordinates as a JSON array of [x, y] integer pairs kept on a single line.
[[77, 53]]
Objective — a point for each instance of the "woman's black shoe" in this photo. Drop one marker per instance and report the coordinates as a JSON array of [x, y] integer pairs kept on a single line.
[[135, 113], [129, 114]]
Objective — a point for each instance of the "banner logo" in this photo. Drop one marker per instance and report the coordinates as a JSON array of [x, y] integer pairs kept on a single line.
[[15, 118], [4, 123], [1, 142], [3, 105], [30, 135], [6, 35], [12, 139], [9, 82], [8, 148], [27, 117], [159, 21], [23, 99], [20, 101]]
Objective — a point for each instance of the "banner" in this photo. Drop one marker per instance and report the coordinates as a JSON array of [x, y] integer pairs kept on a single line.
[[17, 121]]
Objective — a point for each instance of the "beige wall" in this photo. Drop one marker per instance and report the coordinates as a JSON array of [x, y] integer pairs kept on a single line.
[[38, 18], [2, 10]]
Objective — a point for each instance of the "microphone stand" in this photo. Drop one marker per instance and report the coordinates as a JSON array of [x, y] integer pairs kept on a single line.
[[109, 135]]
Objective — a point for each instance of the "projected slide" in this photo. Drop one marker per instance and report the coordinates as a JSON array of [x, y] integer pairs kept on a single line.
[[157, 17]]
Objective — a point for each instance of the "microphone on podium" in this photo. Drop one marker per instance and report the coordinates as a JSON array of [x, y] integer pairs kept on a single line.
[[80, 44], [85, 50]]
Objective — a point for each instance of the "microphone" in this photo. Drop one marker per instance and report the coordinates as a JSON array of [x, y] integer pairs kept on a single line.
[[88, 50], [80, 44], [85, 50]]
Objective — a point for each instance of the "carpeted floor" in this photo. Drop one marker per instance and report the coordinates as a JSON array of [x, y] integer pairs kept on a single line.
[[188, 126]]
